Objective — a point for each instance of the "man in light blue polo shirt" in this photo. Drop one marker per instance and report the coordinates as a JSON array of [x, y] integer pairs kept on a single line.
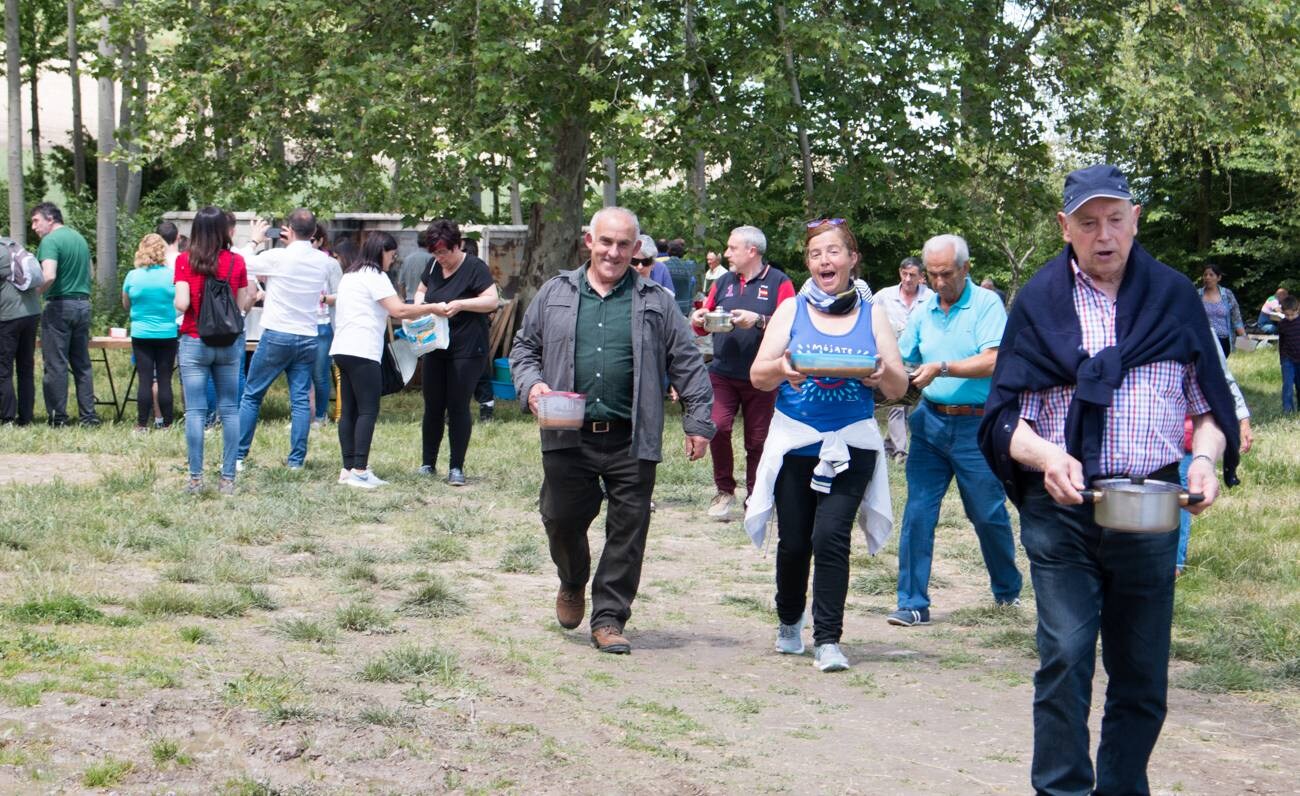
[[953, 338]]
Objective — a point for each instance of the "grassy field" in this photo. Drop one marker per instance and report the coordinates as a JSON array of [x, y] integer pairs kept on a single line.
[[306, 637]]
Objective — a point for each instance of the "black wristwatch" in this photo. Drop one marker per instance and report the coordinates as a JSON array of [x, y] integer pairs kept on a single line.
[[943, 368]]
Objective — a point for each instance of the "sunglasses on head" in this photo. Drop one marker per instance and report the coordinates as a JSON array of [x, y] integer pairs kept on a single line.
[[817, 222], [642, 262]]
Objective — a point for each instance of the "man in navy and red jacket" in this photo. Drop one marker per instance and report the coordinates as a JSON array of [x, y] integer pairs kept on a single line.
[[1105, 351], [750, 291]]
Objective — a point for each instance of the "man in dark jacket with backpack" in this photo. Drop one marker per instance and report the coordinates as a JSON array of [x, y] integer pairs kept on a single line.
[[20, 313]]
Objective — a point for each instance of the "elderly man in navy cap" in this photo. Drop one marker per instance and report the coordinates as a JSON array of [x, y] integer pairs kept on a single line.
[[1105, 351]]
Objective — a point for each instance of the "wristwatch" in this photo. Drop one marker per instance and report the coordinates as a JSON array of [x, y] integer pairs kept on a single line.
[[943, 368]]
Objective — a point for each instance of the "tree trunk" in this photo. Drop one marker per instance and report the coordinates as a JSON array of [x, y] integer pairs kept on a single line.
[[1204, 184], [124, 111], [135, 176], [516, 206], [805, 150], [106, 174], [555, 222], [610, 198], [698, 184], [74, 73], [476, 197], [38, 165], [13, 79]]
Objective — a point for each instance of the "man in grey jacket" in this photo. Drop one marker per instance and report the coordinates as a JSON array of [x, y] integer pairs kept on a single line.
[[604, 331]]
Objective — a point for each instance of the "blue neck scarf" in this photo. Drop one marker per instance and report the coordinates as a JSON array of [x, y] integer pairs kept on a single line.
[[837, 304]]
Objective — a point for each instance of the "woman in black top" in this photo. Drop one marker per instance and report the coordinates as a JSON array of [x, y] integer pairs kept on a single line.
[[461, 289]]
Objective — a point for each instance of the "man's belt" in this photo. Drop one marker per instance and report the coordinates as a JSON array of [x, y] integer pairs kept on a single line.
[[957, 410], [75, 297], [606, 426]]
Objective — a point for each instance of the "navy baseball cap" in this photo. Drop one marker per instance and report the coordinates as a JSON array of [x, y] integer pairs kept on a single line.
[[1100, 180]]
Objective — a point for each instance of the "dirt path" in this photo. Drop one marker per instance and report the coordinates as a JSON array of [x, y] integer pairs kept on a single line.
[[702, 705]]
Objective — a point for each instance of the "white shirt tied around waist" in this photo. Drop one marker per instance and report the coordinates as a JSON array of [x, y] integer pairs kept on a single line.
[[296, 275], [875, 513]]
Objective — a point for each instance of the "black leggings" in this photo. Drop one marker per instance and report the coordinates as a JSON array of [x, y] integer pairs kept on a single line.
[[154, 358], [811, 524], [448, 384], [360, 382]]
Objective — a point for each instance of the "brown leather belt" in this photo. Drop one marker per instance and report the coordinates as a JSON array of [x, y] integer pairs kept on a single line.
[[957, 410]]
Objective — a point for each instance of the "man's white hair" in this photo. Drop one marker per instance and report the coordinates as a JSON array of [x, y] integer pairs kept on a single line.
[[941, 243], [752, 236], [607, 211]]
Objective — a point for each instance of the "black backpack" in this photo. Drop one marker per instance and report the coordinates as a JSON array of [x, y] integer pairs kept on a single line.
[[220, 321]]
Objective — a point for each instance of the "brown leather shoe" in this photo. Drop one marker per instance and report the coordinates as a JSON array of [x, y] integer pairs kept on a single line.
[[570, 607], [608, 638]]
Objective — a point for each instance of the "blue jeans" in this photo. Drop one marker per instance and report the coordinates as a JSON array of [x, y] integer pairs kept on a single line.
[[322, 376], [1088, 579], [212, 387], [199, 363], [1184, 516], [1290, 368], [943, 447], [293, 355]]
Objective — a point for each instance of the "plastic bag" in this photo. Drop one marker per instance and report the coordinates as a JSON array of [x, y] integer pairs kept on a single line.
[[430, 333]]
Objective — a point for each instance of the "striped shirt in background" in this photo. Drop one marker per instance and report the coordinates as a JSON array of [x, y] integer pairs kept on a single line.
[[1144, 423]]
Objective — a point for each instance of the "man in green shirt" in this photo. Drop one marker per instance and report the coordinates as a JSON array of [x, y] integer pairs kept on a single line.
[[65, 321], [604, 331]]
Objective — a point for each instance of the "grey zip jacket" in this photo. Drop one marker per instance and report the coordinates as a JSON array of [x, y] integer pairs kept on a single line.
[[662, 343]]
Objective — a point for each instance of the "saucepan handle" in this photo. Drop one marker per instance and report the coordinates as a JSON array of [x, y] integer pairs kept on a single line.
[[1090, 495], [1190, 499]]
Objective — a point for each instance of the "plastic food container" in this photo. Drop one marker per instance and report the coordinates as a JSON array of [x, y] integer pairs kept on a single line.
[[556, 410], [851, 366], [427, 333], [117, 332]]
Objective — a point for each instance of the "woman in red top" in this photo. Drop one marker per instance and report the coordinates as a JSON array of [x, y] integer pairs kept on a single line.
[[209, 256]]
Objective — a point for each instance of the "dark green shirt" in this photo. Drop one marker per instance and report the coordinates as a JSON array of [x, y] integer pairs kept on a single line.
[[66, 247], [602, 349]]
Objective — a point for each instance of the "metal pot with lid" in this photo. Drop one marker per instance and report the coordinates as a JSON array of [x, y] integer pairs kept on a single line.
[[1136, 505], [718, 320]]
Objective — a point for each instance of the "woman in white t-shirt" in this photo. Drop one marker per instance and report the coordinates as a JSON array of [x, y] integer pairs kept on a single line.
[[362, 305]]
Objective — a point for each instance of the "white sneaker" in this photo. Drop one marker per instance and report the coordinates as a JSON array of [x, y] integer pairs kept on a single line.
[[344, 475], [239, 465], [828, 658], [720, 508], [374, 479], [358, 481], [789, 638]]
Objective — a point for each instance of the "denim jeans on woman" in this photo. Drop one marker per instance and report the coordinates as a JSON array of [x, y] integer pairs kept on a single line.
[[199, 361], [322, 375]]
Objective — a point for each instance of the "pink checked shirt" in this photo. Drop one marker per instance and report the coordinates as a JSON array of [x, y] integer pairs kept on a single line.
[[1144, 424]]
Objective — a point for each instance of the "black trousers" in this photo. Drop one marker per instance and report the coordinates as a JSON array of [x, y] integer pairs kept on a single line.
[[815, 525], [571, 498], [447, 385], [155, 359], [360, 383], [18, 352], [483, 389]]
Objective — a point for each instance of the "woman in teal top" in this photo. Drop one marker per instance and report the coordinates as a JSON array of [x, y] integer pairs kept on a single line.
[[148, 292], [825, 433]]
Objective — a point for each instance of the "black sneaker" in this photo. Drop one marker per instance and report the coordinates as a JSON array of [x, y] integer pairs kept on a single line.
[[90, 421], [456, 477], [485, 413], [905, 617]]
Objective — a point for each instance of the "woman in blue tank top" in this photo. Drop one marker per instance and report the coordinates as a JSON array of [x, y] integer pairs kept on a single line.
[[821, 462]]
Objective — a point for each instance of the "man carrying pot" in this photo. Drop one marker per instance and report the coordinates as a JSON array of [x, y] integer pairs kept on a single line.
[[605, 331], [1105, 351]]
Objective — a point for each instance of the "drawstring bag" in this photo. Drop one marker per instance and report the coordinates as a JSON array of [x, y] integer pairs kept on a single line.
[[220, 321]]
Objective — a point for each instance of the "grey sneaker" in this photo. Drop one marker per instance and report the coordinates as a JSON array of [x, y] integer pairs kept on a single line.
[[226, 487], [195, 486], [789, 638], [907, 617], [828, 658], [1014, 602], [426, 469], [456, 477], [720, 506]]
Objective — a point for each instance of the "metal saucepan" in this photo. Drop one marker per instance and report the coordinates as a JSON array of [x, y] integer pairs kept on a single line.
[[718, 321], [1137, 505]]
